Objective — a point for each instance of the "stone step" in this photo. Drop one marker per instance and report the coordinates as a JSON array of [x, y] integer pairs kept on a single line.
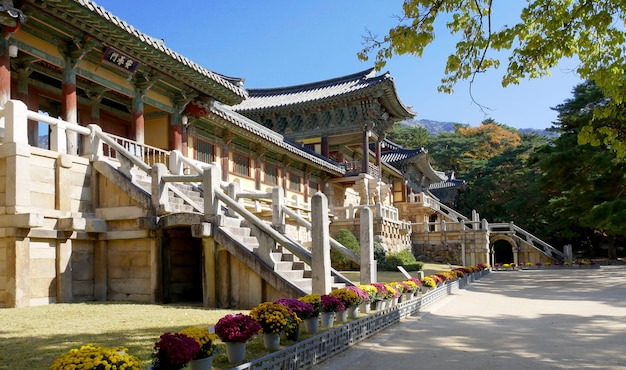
[[239, 232], [291, 274]]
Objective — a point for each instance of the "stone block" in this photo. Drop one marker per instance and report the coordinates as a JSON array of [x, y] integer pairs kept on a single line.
[[42, 287]]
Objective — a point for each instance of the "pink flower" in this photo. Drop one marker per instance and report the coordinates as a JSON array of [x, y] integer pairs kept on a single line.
[[237, 328]]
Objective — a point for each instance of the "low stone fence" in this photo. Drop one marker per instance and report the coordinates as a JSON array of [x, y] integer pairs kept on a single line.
[[312, 351]]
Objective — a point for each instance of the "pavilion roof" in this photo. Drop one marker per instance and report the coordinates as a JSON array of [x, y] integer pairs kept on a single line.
[[321, 93]]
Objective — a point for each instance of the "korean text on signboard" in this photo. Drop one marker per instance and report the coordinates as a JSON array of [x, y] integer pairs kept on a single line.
[[120, 60]]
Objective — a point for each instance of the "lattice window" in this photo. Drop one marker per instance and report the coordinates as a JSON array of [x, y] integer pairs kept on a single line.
[[205, 151], [271, 175], [242, 165], [294, 182]]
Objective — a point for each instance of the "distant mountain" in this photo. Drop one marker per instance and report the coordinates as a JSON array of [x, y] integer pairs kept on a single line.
[[434, 128]]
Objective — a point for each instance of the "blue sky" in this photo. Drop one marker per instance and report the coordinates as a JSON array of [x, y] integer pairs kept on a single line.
[[274, 43]]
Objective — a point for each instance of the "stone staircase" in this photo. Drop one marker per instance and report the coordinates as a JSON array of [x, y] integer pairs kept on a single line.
[[282, 262], [177, 203]]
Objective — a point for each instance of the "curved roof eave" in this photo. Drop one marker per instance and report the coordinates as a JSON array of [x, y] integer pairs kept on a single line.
[[259, 131], [321, 92], [127, 38]]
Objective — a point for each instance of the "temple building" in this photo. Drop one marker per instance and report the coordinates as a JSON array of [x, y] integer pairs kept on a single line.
[[130, 173]]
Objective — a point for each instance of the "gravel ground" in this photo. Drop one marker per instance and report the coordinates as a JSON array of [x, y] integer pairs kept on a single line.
[[530, 319]]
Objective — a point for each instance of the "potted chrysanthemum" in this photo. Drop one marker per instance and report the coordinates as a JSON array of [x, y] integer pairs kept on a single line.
[[235, 330], [328, 306], [428, 282], [349, 299], [311, 324], [206, 340], [173, 351], [303, 310], [274, 319], [96, 357], [363, 298]]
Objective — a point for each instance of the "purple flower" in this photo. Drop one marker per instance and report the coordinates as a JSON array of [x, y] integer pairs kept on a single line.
[[237, 328], [331, 304], [173, 350], [304, 310]]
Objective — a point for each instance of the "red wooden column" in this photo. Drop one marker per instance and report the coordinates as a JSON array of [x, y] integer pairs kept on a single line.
[[69, 105], [177, 134], [5, 72], [137, 124]]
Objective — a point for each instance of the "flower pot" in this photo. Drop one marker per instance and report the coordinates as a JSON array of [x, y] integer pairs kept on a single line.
[[271, 341], [342, 316], [353, 312], [235, 351], [293, 335], [327, 319], [202, 364], [424, 289], [407, 296], [365, 307], [311, 324], [394, 301]]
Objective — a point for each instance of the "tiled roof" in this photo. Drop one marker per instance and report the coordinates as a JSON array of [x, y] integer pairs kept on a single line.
[[322, 91], [235, 85], [448, 184], [260, 131], [394, 156]]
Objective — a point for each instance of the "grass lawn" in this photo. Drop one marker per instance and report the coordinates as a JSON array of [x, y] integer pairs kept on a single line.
[[33, 337]]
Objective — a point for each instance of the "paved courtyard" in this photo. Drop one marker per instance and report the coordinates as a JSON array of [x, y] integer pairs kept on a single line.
[[531, 319]]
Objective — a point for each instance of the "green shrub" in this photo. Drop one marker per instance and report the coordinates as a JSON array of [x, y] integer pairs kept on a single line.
[[401, 258], [379, 255], [348, 240], [415, 266]]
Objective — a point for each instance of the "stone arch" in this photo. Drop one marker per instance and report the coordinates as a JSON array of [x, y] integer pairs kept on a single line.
[[511, 253]]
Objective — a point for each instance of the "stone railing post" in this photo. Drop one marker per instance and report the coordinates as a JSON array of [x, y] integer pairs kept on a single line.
[[233, 192], [211, 178], [94, 148], [175, 163], [159, 189], [320, 238], [368, 264], [278, 216], [58, 137]]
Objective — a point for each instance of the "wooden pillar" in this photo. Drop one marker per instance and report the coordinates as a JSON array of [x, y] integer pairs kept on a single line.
[[325, 147], [378, 161], [224, 161], [176, 133], [366, 157], [137, 124], [69, 105], [5, 71]]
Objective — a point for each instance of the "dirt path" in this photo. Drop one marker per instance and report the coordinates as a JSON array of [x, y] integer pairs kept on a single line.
[[535, 319]]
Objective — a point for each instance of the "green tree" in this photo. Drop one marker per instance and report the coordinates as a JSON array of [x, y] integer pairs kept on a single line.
[[586, 185], [409, 136], [547, 32]]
